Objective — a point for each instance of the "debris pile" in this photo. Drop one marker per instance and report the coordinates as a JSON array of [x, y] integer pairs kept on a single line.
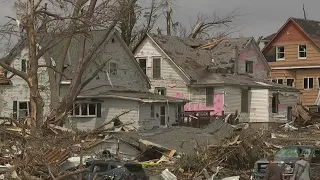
[[303, 117]]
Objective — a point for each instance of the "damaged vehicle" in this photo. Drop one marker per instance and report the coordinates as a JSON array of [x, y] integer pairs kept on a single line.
[[286, 158], [114, 169]]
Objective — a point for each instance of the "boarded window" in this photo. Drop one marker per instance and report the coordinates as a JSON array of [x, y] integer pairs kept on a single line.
[[113, 68], [280, 54], [143, 65], [160, 91], [156, 68], [249, 66], [245, 100], [290, 82], [302, 51], [275, 103], [152, 111], [209, 96], [308, 83]]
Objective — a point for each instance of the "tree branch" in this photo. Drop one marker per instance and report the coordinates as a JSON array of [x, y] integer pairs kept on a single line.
[[21, 74], [54, 69]]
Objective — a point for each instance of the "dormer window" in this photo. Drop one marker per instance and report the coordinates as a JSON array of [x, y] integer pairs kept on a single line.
[[302, 51], [280, 53]]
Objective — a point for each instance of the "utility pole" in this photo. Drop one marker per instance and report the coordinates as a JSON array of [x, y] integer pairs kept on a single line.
[[168, 18]]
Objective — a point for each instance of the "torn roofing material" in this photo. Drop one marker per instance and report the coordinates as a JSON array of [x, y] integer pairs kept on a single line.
[[189, 55], [215, 79], [107, 92], [185, 140]]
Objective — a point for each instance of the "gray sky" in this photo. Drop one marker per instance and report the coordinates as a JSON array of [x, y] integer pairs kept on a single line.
[[262, 17]]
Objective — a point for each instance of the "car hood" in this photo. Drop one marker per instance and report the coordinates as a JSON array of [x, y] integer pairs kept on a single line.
[[279, 160]]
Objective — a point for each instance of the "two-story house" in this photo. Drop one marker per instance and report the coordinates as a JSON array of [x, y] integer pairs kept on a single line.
[[293, 54], [227, 75], [120, 88]]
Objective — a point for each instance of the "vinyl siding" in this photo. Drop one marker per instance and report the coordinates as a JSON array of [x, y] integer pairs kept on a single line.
[[259, 105], [171, 78], [110, 108], [19, 91]]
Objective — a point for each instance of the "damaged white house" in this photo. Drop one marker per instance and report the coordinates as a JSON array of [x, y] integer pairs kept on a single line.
[[121, 88], [227, 75]]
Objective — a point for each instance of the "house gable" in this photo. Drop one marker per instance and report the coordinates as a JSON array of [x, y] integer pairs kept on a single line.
[[252, 53]]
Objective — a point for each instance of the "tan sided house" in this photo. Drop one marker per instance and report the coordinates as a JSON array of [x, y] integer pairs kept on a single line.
[[293, 54]]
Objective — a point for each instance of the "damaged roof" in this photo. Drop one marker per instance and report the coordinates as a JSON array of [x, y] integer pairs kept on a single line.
[[185, 138], [192, 58], [240, 80], [121, 92]]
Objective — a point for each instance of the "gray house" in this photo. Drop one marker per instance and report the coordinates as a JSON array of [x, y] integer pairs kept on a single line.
[[120, 88], [226, 75]]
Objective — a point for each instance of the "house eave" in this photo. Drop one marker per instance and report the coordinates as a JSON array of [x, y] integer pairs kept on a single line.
[[295, 67]]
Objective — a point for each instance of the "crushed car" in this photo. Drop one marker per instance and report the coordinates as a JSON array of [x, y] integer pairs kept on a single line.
[[286, 158], [114, 169]]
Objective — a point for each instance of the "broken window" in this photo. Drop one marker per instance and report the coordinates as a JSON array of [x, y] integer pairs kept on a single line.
[[280, 81], [245, 100], [249, 66], [274, 80], [160, 91], [152, 113], [87, 109], [280, 53], [275, 103], [113, 68], [156, 68], [143, 65], [209, 96], [290, 82], [308, 83], [302, 51]]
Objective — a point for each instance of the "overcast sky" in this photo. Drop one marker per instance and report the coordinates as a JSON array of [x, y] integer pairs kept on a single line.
[[262, 17]]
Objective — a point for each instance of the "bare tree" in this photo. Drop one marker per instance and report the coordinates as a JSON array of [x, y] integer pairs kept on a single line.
[[209, 26], [45, 24], [139, 20]]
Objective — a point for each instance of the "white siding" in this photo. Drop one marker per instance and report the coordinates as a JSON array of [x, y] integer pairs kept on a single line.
[[171, 78], [19, 91], [128, 74], [147, 123], [259, 105], [110, 108]]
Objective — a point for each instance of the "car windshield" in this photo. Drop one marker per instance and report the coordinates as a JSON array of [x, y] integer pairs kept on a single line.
[[293, 152]]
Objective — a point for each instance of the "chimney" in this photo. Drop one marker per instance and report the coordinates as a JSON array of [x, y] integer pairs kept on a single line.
[[236, 60]]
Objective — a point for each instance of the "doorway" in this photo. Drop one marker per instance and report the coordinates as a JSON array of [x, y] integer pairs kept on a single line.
[[162, 115]]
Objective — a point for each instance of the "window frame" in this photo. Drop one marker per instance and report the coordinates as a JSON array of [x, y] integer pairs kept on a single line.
[[211, 104], [25, 67], [145, 68], [308, 83], [18, 108], [277, 52], [88, 110], [153, 67], [249, 69], [318, 78], [113, 71], [276, 80], [302, 51], [157, 89], [293, 83]]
